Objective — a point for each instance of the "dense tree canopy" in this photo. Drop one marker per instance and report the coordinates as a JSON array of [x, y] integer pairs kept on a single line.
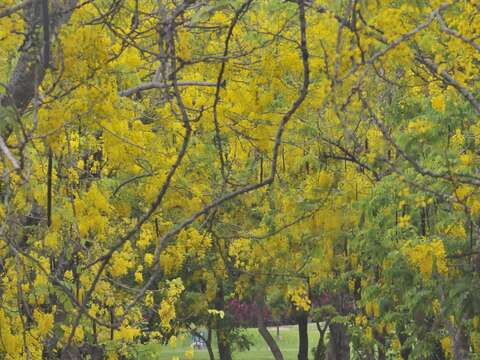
[[164, 163]]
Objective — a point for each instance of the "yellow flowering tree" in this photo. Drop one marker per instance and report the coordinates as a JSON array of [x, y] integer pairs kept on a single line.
[[317, 158]]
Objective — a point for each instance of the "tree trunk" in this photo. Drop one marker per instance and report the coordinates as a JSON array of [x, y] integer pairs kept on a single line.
[[321, 349], [71, 353], [338, 346], [208, 343], [380, 337], [32, 61], [406, 350], [224, 351], [460, 344], [303, 336], [438, 353], [262, 329]]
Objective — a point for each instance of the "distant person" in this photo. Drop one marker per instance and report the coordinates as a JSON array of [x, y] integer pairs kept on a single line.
[[198, 342]]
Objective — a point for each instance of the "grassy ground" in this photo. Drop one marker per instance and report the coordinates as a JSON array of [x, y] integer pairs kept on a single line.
[[288, 343]]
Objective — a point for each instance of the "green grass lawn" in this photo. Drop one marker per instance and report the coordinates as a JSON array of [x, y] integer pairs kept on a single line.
[[288, 343]]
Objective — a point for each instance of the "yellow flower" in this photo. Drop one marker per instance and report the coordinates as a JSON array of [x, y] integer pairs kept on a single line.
[[369, 333], [218, 313], [51, 240], [404, 221], [172, 342], [189, 353], [467, 158], [127, 333], [396, 345], [424, 256], [44, 321], [457, 139], [419, 126], [438, 103], [148, 258], [446, 345], [299, 297], [68, 275], [139, 275], [325, 179], [464, 191]]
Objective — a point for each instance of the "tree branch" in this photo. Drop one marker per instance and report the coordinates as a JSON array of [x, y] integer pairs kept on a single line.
[[13, 9], [159, 85]]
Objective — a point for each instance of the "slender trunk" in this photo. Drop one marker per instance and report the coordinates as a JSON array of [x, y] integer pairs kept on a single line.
[[321, 349], [438, 353], [380, 337], [262, 329], [303, 336], [208, 343], [224, 350], [406, 350]]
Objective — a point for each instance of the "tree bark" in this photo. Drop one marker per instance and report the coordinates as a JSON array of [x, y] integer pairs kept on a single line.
[[262, 328], [338, 346], [31, 64], [223, 344], [460, 344], [224, 350], [406, 350], [208, 343], [321, 348], [380, 337], [303, 336], [438, 353]]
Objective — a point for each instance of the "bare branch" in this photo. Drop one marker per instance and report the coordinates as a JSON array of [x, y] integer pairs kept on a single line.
[[450, 31], [8, 154], [13, 9], [159, 85], [450, 80]]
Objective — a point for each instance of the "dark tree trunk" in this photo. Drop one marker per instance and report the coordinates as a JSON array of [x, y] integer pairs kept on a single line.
[[338, 346], [406, 350], [438, 353], [303, 336], [380, 337], [30, 68], [262, 329], [224, 350], [321, 348], [208, 343], [223, 344], [71, 353], [461, 344]]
